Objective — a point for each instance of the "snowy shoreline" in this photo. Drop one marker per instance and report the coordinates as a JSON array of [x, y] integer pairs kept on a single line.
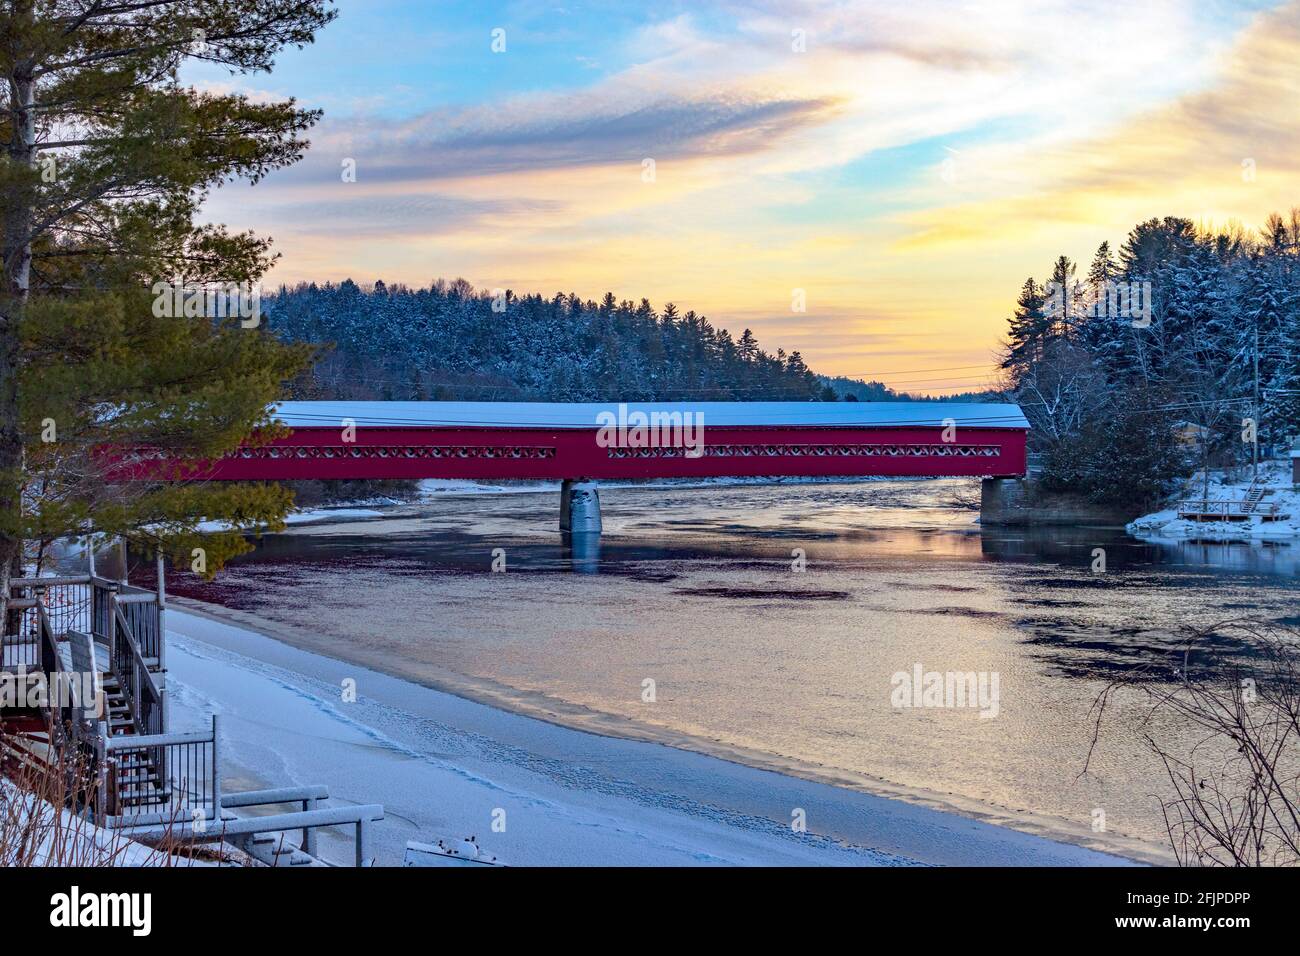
[[433, 489], [1166, 525], [582, 788]]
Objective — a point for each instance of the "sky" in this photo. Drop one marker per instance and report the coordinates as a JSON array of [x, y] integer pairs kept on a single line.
[[899, 169]]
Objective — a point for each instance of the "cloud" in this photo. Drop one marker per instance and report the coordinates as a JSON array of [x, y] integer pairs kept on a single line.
[[401, 216], [1067, 121], [571, 132], [1229, 150]]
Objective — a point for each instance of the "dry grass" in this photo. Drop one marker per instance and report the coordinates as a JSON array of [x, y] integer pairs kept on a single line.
[[1236, 781], [43, 820]]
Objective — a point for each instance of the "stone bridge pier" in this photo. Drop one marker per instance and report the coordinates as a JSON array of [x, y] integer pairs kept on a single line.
[[579, 507]]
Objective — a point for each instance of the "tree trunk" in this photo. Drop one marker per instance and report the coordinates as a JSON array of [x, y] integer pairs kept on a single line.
[[18, 214]]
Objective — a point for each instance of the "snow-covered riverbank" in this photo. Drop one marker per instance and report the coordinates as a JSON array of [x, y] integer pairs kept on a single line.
[[446, 767], [1166, 523]]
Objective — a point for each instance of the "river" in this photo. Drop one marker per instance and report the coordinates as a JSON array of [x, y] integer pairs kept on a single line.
[[766, 623]]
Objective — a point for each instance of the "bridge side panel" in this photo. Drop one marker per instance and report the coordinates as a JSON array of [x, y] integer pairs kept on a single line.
[[520, 453]]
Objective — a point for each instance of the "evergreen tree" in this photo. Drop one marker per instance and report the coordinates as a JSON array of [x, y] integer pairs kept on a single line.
[[747, 346], [107, 159], [1100, 304], [1206, 311], [1062, 298], [1028, 327]]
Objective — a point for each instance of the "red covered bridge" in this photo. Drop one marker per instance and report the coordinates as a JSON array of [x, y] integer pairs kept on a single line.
[[581, 443], [495, 440]]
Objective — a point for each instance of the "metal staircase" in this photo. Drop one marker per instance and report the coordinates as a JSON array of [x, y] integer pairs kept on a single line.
[[1254, 495], [133, 775]]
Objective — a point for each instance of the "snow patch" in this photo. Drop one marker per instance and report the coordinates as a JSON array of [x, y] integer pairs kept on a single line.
[[1277, 476], [305, 516]]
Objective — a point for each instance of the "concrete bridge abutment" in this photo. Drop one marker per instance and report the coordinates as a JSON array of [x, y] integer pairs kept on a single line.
[[1003, 500]]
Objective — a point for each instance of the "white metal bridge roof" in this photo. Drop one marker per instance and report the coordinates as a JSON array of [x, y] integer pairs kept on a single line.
[[587, 414]]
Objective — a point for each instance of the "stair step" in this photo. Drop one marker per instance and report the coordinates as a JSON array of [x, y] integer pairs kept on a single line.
[[136, 769], [130, 773], [135, 776], [137, 797]]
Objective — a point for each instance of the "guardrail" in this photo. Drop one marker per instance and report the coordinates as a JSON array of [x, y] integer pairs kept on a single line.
[[359, 816], [309, 797], [160, 778], [66, 603], [143, 696], [84, 603], [1227, 509]]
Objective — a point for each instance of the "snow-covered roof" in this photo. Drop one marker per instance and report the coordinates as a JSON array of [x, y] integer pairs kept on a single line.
[[585, 414]]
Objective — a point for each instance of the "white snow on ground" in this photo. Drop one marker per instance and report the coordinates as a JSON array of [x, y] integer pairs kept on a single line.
[[431, 488], [81, 842], [438, 487], [331, 514], [306, 516], [1167, 524], [445, 768]]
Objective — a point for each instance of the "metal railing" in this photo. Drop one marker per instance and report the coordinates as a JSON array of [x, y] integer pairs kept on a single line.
[[1224, 508], [84, 603], [72, 718], [65, 601], [136, 682], [73, 733], [140, 608], [20, 644], [160, 779], [361, 817], [135, 768]]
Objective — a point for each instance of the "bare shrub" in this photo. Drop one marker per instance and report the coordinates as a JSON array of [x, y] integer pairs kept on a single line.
[[44, 820], [1236, 782]]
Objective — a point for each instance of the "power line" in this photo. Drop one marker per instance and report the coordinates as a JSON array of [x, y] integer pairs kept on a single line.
[[913, 371], [959, 379]]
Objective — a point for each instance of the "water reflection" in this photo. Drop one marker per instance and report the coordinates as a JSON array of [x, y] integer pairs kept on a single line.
[[700, 589], [583, 551]]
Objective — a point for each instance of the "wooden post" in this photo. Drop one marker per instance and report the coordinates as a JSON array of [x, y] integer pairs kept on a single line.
[[162, 641], [309, 833], [363, 843], [216, 776], [122, 546], [110, 632], [101, 773]]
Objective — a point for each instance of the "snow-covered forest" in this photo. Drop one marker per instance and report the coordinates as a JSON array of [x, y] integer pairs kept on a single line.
[[452, 342], [1182, 329]]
